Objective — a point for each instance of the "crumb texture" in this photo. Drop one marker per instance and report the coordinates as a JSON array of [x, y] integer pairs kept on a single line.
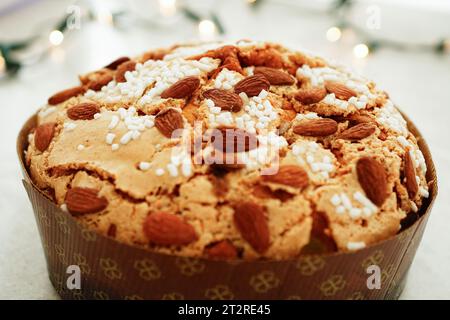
[[310, 158]]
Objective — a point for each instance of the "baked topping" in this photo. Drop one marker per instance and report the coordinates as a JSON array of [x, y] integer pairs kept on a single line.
[[84, 200], [316, 127], [340, 90], [252, 85], [225, 100], [181, 89], [373, 179], [252, 224], [275, 76], [64, 95], [410, 176], [167, 121], [83, 111], [44, 135], [228, 151], [122, 69], [290, 175], [358, 132], [114, 64], [168, 229], [311, 95]]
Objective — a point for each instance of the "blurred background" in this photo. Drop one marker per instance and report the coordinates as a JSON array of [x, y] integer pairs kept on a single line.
[[403, 45]]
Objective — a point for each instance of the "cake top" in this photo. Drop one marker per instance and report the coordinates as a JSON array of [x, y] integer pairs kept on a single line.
[[229, 150]]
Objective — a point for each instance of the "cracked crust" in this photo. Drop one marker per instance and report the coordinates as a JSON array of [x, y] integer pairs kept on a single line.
[[125, 157]]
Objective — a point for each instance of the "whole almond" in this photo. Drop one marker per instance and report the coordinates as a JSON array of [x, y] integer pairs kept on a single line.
[[310, 95], [223, 161], [410, 176], [168, 229], [251, 222], [83, 111], [100, 82], [316, 127], [84, 200], [340, 90], [229, 140], [275, 76], [373, 179], [114, 64], [226, 100], [122, 69], [168, 120], [290, 175], [64, 95], [358, 132], [355, 119], [265, 192], [43, 135], [222, 250], [252, 85], [182, 88]]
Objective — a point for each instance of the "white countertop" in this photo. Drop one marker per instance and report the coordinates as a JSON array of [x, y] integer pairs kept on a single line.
[[417, 81]]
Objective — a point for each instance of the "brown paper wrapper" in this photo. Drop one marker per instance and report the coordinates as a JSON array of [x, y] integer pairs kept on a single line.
[[112, 270]]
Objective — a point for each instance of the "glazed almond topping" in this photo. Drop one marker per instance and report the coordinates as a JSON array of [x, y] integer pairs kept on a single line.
[[168, 229], [316, 127], [167, 121], [44, 135], [229, 151], [252, 85], [84, 200], [83, 111], [182, 88], [373, 179]]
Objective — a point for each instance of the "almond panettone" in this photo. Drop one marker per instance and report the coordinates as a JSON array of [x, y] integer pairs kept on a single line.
[[229, 150]]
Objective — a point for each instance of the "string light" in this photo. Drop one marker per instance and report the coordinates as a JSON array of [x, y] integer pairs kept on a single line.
[[446, 46], [207, 29], [56, 37], [167, 7], [2, 64], [334, 34], [361, 50]]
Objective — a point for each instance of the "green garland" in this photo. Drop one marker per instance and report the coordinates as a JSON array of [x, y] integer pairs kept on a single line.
[[12, 65]]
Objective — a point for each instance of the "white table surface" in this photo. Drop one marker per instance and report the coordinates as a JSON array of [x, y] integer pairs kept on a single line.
[[417, 81]]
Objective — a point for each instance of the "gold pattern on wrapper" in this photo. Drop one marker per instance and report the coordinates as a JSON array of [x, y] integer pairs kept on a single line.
[[332, 285], [264, 281], [405, 235], [133, 297], [112, 270], [189, 266], [78, 295], [62, 224], [356, 296], [219, 292], [88, 235], [148, 270], [387, 272], [294, 298], [172, 296], [375, 259], [60, 252], [81, 261], [101, 295], [308, 265], [43, 219]]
